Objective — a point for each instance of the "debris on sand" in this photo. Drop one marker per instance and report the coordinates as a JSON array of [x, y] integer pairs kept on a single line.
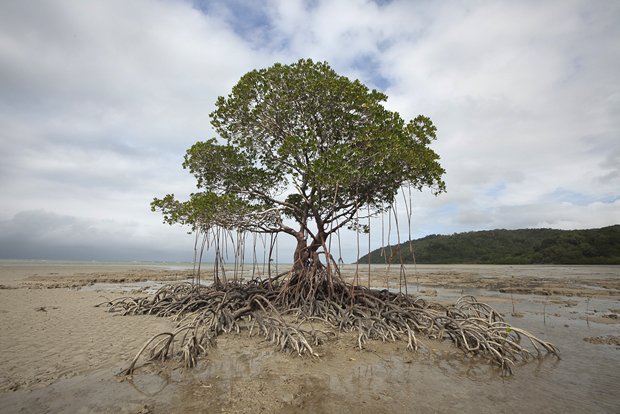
[[604, 340]]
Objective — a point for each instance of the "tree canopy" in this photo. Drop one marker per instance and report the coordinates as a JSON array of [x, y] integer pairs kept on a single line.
[[301, 142]]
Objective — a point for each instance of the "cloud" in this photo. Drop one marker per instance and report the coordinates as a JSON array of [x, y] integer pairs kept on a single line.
[[40, 234], [101, 99], [522, 96]]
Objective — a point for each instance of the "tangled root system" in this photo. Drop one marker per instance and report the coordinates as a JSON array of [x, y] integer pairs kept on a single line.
[[284, 312]]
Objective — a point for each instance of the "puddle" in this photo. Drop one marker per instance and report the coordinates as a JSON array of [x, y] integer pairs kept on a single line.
[[147, 287]]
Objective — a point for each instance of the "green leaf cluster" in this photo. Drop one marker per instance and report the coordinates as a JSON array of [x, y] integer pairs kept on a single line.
[[302, 141], [204, 211]]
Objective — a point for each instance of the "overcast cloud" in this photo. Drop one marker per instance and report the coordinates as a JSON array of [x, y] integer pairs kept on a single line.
[[100, 99]]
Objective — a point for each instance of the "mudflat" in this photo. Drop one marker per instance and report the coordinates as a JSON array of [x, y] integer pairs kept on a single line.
[[61, 353]]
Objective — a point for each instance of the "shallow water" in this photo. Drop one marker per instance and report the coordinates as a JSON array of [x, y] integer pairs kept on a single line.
[[246, 377], [501, 271], [147, 287]]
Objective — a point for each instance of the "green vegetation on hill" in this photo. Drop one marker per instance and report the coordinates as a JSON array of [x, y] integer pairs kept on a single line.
[[528, 246]]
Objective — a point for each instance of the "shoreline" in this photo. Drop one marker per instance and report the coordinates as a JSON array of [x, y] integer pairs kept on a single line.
[[61, 352]]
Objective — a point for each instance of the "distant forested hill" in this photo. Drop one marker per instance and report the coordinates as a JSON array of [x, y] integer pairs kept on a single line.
[[529, 246]]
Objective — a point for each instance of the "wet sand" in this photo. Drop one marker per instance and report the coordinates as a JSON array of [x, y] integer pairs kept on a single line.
[[61, 353]]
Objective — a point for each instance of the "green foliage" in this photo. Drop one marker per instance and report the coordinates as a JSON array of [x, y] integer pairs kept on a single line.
[[304, 130], [529, 246], [204, 210]]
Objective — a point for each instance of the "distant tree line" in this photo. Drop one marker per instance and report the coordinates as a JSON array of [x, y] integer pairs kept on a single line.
[[527, 246]]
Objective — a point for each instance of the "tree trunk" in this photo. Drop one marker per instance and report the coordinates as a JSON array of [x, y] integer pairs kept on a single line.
[[306, 260], [300, 257]]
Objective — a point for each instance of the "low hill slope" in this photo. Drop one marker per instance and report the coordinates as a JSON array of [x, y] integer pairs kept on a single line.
[[527, 246]]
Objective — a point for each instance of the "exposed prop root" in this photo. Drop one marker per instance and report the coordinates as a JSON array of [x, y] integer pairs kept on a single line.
[[284, 312]]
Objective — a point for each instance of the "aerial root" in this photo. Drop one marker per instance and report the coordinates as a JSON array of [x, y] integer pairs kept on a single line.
[[283, 314], [285, 336], [168, 338]]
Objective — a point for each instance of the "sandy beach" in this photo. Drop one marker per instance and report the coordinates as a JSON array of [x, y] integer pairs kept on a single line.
[[61, 352]]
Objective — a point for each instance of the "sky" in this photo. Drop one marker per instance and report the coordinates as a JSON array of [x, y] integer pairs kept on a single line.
[[100, 99]]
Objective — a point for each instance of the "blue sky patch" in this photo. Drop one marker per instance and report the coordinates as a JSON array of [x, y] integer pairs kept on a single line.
[[368, 65]]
